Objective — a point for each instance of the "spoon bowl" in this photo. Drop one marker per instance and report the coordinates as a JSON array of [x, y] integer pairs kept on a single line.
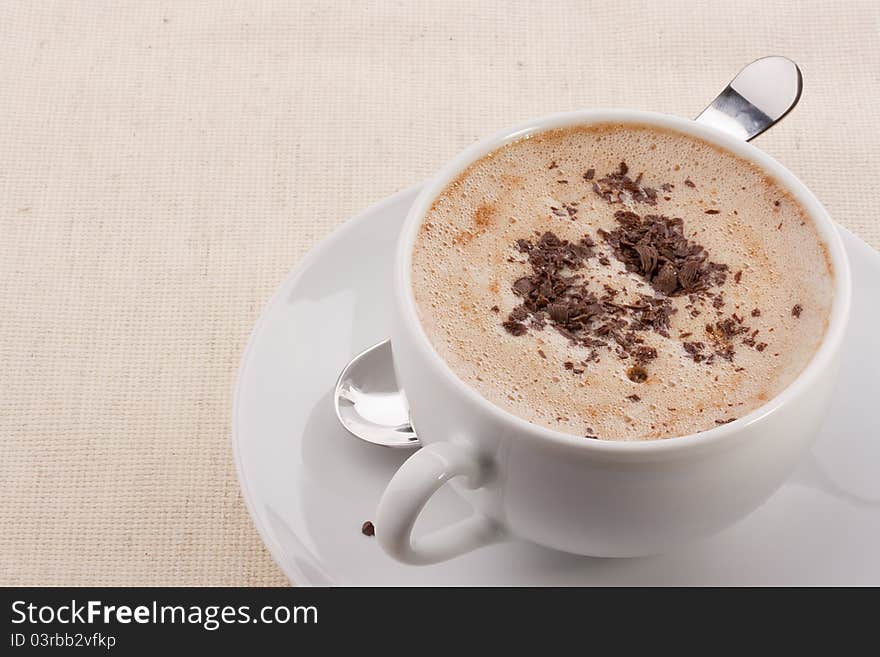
[[370, 404]]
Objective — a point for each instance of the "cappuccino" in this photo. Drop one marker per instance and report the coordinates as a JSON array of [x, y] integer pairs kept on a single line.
[[621, 282]]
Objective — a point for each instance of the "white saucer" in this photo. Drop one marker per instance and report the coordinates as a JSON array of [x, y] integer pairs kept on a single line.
[[309, 485]]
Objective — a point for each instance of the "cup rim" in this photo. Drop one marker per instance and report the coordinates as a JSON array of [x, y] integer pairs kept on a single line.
[[815, 368]]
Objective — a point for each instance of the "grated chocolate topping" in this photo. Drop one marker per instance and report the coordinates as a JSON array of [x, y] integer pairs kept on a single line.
[[618, 187], [654, 246], [555, 294]]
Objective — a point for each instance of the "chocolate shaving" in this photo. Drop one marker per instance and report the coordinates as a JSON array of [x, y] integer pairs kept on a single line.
[[648, 258], [558, 312], [694, 349], [654, 246], [618, 187], [644, 354], [367, 529], [555, 294], [523, 286], [689, 275], [797, 310], [518, 314]]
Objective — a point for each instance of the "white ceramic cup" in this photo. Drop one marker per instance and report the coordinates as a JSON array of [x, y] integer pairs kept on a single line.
[[589, 497]]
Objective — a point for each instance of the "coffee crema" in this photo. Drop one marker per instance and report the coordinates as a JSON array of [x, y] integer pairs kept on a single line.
[[621, 282]]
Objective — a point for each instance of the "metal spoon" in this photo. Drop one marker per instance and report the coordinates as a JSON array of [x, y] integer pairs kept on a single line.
[[368, 401], [758, 98], [370, 404]]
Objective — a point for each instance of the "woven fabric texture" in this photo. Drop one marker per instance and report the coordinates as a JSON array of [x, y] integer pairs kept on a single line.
[[163, 165]]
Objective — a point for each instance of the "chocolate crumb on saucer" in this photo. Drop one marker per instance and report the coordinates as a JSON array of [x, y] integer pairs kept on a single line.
[[367, 529]]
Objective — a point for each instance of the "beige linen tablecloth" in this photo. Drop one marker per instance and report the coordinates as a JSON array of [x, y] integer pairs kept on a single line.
[[163, 165]]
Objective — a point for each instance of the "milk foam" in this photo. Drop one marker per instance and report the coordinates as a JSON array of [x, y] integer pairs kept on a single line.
[[465, 261]]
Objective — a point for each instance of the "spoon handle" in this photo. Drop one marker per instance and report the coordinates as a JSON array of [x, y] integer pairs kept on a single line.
[[758, 98]]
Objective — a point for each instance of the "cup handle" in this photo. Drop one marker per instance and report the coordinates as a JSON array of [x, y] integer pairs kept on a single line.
[[420, 476]]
